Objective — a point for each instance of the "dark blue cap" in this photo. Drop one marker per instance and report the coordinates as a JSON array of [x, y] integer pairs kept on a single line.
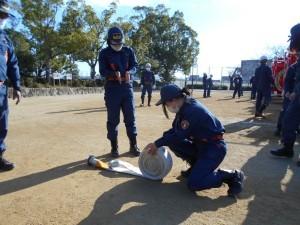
[[169, 92]]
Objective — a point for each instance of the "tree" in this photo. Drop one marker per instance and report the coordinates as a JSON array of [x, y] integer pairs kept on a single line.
[[164, 40], [85, 32], [39, 17]]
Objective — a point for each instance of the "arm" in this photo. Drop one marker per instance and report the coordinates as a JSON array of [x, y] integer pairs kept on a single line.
[[178, 134], [13, 72], [142, 79], [289, 82], [132, 64], [153, 78], [104, 70]]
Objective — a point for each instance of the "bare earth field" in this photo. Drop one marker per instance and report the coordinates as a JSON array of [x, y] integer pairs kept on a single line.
[[50, 139]]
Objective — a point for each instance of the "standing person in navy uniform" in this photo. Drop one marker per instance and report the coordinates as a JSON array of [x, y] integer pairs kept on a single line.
[[117, 63], [196, 136], [9, 69], [289, 85], [204, 82], [264, 81], [147, 83], [237, 86], [291, 118], [209, 85], [253, 88]]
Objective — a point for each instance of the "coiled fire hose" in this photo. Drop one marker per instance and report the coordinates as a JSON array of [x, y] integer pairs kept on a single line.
[[153, 167]]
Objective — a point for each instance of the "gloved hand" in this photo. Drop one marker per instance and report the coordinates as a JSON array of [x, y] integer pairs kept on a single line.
[[118, 75]]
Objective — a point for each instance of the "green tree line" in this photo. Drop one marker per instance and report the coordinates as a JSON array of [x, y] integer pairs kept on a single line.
[[54, 35]]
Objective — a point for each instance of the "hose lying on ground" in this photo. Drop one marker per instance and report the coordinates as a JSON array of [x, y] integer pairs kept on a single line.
[[153, 167]]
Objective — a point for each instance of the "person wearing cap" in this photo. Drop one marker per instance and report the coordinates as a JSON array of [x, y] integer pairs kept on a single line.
[[196, 136], [9, 70], [147, 83], [117, 63], [238, 80], [291, 118], [264, 81]]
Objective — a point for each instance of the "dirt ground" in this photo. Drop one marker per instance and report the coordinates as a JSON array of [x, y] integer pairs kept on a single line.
[[50, 139]]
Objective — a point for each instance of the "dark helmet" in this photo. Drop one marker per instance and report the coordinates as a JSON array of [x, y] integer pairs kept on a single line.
[[295, 38], [5, 8], [115, 34]]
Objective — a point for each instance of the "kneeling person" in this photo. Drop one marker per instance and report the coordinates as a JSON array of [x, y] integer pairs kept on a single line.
[[196, 136]]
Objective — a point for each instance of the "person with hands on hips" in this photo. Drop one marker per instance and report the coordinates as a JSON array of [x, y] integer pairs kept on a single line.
[[196, 136]]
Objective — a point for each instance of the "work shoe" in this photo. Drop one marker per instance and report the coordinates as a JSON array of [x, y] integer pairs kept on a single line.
[[235, 184], [5, 165], [134, 150], [234, 179], [114, 149], [286, 151]]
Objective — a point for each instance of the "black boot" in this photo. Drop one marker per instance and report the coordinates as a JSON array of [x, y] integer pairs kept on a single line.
[[4, 164], [234, 179], [149, 101], [286, 151], [186, 173], [134, 150], [262, 108], [114, 148], [143, 99]]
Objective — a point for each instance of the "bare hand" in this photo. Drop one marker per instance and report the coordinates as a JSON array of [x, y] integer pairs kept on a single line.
[[17, 96], [151, 148]]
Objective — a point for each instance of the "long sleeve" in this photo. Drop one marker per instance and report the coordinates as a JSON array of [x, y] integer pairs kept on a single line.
[[104, 70], [13, 72], [132, 64], [289, 82]]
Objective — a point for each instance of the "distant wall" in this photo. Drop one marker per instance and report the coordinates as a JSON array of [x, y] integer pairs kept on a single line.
[[32, 92]]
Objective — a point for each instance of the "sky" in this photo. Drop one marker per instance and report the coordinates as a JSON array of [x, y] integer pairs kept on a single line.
[[228, 30]]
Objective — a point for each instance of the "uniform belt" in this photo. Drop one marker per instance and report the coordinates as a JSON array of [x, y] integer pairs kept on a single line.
[[115, 78], [218, 137], [2, 82]]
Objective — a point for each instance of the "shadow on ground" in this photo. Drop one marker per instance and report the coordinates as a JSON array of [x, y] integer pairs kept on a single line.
[[140, 201]]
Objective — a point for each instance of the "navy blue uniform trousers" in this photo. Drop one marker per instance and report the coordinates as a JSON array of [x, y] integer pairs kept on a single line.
[[291, 122], [147, 88], [3, 116], [117, 98], [207, 158]]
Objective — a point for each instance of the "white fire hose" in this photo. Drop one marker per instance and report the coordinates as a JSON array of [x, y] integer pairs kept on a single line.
[[153, 167]]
